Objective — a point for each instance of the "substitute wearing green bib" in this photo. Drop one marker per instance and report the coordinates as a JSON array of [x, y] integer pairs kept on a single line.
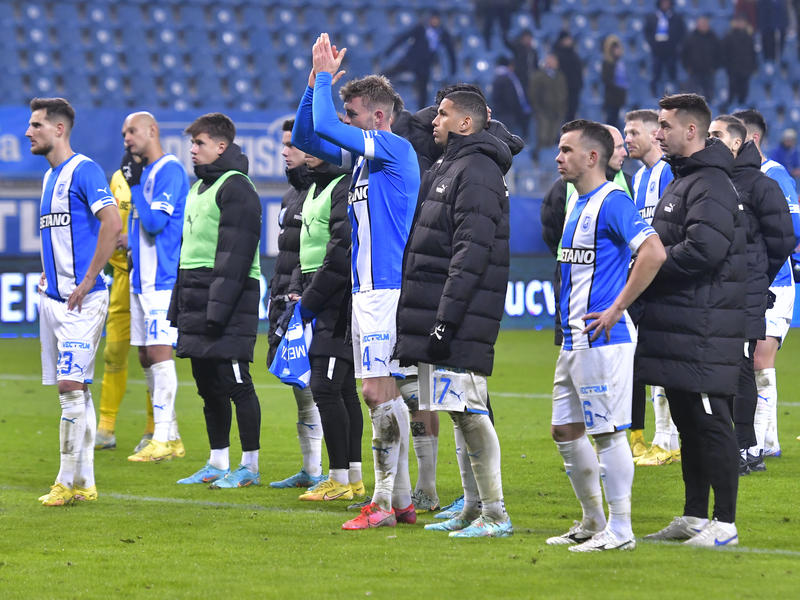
[[201, 227], [315, 233]]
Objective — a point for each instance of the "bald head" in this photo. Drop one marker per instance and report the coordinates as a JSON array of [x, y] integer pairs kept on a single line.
[[141, 135], [618, 157]]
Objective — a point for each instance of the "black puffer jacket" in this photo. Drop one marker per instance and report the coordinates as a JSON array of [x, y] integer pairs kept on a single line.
[[770, 236], [326, 291], [691, 334], [455, 267], [290, 221], [417, 128], [216, 310]]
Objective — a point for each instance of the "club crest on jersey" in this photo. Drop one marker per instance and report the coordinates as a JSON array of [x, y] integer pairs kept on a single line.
[[577, 256], [652, 186], [148, 186], [586, 223], [61, 188]]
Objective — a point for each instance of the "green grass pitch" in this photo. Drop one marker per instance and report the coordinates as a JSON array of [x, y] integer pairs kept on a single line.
[[147, 537]]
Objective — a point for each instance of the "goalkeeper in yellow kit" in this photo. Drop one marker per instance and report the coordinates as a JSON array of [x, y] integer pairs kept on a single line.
[[118, 333]]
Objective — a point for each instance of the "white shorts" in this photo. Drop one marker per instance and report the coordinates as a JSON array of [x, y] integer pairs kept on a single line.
[[70, 338], [374, 331], [441, 388], [594, 386], [779, 317], [149, 324]]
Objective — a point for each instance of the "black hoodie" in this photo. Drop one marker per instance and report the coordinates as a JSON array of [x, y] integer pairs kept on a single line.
[[326, 291], [455, 266], [770, 236], [691, 334], [290, 221], [216, 310]]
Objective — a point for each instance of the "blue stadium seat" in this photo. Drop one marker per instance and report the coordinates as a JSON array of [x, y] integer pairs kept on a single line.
[[253, 15], [129, 16], [192, 12]]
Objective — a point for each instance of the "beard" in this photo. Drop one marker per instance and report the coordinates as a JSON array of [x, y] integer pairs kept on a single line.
[[41, 149]]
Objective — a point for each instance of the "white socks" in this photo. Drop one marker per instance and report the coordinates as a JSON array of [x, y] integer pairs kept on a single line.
[[766, 419], [309, 431], [426, 447], [471, 508], [386, 436], [84, 472], [220, 458], [401, 493], [583, 470], [354, 472], [250, 460], [666, 436], [165, 387], [71, 434], [340, 476], [484, 455], [616, 473]]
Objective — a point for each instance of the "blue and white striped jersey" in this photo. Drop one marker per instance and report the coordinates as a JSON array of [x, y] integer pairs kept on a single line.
[[384, 188], [648, 185], [778, 172], [72, 193], [601, 231], [164, 186]]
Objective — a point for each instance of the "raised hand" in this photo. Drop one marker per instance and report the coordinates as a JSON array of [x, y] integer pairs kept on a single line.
[[326, 57], [312, 76]]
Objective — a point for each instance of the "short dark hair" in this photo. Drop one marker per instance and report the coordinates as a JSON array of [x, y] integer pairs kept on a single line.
[[399, 105], [55, 107], [288, 125], [216, 125], [645, 115], [752, 120], [692, 104], [472, 104], [594, 132], [734, 126], [374, 90], [458, 87]]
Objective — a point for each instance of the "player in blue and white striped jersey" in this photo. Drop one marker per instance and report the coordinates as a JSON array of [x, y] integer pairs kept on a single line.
[[649, 184], [383, 198], [779, 316], [159, 185], [594, 372], [79, 226]]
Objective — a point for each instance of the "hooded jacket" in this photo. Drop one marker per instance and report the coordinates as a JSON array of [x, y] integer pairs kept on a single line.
[[216, 310], [417, 128], [290, 221], [691, 333], [455, 266], [770, 236], [326, 291]]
